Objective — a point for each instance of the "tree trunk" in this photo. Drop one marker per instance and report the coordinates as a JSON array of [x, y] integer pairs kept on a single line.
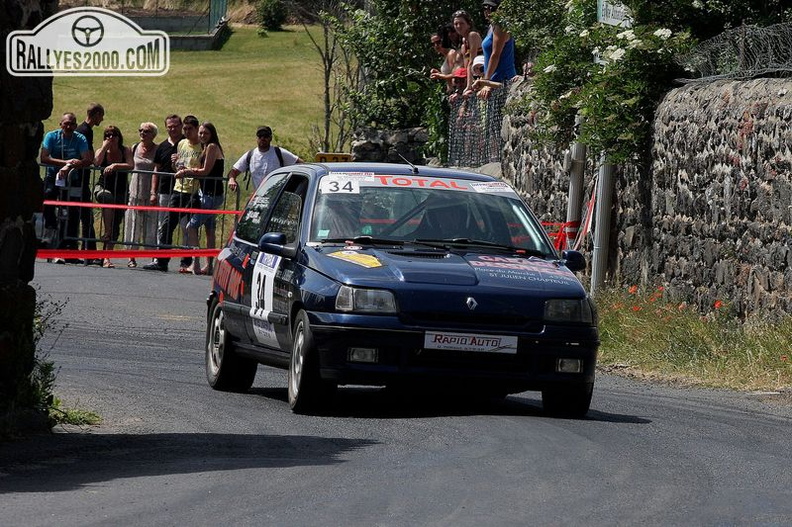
[[24, 103]]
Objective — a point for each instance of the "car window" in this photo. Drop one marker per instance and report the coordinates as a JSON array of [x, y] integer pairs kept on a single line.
[[349, 205], [251, 225], [286, 216]]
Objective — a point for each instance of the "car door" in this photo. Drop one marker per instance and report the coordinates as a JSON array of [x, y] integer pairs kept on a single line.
[[273, 279], [235, 261]]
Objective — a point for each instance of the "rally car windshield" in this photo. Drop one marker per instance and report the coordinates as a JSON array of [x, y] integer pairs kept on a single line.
[[444, 211]]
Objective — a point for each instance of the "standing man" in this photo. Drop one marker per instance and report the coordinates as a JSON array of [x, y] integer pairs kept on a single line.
[[185, 191], [94, 117], [261, 160], [162, 179], [63, 150]]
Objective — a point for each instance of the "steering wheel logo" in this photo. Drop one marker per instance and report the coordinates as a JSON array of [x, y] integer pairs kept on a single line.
[[87, 31]]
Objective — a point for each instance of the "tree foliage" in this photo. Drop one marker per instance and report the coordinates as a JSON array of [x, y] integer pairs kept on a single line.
[[390, 40], [615, 77], [271, 14]]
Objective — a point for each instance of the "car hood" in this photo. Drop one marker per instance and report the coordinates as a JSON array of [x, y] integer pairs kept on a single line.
[[409, 269]]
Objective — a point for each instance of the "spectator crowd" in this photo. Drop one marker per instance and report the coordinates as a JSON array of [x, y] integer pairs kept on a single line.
[[180, 175], [477, 72], [185, 171]]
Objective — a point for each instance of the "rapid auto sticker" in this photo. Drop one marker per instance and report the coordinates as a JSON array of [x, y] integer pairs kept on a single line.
[[261, 297], [470, 342], [363, 260], [531, 270]]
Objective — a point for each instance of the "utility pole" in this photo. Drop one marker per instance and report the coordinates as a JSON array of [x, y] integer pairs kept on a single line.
[[577, 168], [604, 202]]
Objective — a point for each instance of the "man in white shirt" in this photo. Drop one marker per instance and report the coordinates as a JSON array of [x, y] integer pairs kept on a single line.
[[261, 160]]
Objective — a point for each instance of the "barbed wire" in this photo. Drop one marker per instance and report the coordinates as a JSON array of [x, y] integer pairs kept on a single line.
[[741, 53]]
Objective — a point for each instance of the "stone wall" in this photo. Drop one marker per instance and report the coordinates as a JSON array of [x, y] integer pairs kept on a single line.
[[711, 221], [387, 146], [24, 103]]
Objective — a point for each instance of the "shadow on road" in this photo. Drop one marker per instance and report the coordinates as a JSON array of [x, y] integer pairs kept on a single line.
[[383, 403], [68, 461]]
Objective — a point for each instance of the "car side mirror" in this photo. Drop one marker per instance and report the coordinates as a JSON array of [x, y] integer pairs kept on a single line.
[[574, 260], [275, 243]]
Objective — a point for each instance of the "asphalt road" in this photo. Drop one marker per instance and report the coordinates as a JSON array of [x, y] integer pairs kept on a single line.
[[171, 451]]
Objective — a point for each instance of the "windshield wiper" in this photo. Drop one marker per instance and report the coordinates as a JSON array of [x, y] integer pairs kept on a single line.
[[467, 242], [364, 240]]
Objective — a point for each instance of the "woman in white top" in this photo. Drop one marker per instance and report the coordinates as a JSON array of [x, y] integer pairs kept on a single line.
[[140, 226]]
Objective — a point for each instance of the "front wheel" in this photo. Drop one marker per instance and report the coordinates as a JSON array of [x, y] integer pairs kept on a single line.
[[307, 391], [568, 401], [225, 370]]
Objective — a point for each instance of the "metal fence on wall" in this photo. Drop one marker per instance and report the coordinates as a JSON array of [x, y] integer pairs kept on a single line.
[[474, 129], [741, 53]]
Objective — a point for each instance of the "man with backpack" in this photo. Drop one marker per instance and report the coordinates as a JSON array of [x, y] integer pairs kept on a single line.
[[260, 161]]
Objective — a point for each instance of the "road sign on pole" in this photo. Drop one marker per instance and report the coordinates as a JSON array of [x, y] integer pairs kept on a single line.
[[613, 13]]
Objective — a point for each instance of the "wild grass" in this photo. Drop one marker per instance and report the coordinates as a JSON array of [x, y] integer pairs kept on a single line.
[[646, 334], [253, 80]]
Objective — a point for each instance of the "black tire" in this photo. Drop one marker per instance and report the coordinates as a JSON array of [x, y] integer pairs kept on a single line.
[[225, 370], [568, 401], [307, 391]]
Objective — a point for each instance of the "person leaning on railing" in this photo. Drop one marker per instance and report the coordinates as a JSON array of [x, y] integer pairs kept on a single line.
[[111, 187], [210, 172], [499, 49], [63, 150]]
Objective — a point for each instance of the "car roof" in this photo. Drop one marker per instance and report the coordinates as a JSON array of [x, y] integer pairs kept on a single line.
[[396, 169]]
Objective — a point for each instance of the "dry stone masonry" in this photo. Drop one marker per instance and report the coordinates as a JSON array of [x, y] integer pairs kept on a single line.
[[712, 220]]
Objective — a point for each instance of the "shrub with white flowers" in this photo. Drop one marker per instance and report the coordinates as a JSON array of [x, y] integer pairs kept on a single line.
[[614, 77]]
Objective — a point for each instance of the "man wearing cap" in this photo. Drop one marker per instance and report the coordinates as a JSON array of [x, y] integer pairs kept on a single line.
[[261, 160]]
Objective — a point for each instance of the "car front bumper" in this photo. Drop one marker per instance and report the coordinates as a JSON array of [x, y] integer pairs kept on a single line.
[[401, 356]]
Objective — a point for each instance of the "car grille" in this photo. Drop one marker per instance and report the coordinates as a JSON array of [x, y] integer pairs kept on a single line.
[[473, 320]]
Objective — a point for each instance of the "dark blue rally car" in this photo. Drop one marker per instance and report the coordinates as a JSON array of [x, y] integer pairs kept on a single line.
[[381, 274]]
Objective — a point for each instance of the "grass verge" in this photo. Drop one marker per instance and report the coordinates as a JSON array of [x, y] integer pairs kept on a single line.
[[645, 334], [252, 80]]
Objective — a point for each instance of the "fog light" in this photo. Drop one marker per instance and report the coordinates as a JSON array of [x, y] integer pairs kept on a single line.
[[569, 365], [362, 354]]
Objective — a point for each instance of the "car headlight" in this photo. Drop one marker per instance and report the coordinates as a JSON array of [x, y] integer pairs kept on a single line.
[[577, 310], [353, 299]]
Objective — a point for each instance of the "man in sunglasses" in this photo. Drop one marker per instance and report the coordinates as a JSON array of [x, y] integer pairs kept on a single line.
[[185, 190], [63, 150], [260, 161]]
